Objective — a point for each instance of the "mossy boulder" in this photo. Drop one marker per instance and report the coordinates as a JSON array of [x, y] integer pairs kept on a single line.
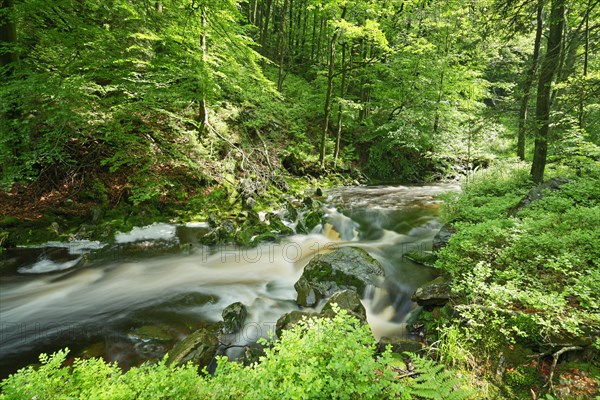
[[223, 232], [200, 348], [288, 320], [312, 219], [253, 231], [291, 213], [344, 268], [400, 344], [537, 193], [152, 333], [234, 316], [442, 237], [347, 300], [191, 299], [434, 294], [426, 258], [252, 355]]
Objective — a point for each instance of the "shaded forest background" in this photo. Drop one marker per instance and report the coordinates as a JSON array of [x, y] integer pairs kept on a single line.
[[155, 100]]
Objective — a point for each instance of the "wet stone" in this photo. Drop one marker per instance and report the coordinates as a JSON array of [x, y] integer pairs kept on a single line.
[[288, 320], [426, 258], [200, 348], [234, 316], [399, 344], [347, 300], [434, 294], [344, 268], [152, 333]]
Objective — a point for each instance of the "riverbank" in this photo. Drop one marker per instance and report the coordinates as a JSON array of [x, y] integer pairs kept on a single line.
[[29, 216], [523, 314]]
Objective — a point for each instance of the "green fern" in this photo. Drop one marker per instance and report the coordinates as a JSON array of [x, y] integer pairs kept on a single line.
[[434, 381]]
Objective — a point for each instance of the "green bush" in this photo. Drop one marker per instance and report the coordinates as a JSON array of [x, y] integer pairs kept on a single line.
[[318, 358], [530, 277]]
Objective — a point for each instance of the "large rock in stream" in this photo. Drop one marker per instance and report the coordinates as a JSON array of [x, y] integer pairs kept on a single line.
[[344, 268], [347, 300], [442, 238], [234, 316], [434, 294], [200, 348]]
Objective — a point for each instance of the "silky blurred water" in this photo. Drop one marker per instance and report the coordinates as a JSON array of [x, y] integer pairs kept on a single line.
[[51, 297]]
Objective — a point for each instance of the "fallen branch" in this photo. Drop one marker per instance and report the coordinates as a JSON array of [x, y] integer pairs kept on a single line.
[[266, 153], [213, 130], [555, 357], [406, 375]]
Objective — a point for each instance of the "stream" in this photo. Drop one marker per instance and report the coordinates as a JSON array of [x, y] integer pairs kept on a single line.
[[129, 302]]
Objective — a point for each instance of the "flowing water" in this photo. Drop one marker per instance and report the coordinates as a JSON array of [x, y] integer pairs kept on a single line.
[[58, 296]]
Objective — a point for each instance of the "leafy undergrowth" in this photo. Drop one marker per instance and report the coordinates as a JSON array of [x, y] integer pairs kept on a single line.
[[526, 280], [318, 359]]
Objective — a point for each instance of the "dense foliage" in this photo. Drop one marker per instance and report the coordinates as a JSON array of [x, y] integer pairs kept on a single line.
[[176, 91], [319, 358], [203, 105], [526, 278]]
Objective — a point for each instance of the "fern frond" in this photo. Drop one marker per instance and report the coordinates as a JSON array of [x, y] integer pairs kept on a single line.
[[435, 382]]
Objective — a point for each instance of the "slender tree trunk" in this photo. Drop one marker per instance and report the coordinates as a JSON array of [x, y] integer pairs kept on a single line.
[[436, 118], [158, 6], [303, 35], [295, 34], [290, 39], [569, 43], [529, 78], [8, 34], [547, 72], [319, 40], [585, 63], [330, 71], [265, 26], [314, 37], [362, 113], [255, 12], [340, 107], [258, 18], [282, 48], [203, 111]]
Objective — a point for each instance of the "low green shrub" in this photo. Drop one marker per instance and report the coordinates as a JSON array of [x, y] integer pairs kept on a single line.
[[528, 277], [317, 359]]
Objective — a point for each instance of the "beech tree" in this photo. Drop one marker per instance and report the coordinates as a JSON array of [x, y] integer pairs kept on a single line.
[[8, 35], [548, 70]]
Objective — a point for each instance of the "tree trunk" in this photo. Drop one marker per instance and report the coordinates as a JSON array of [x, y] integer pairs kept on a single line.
[[303, 35], [319, 40], [282, 48], [530, 77], [547, 72], [8, 34], [265, 27], [314, 37], [364, 82], [290, 39], [255, 12], [436, 118], [334, 39], [586, 45], [440, 94], [340, 107], [203, 111]]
